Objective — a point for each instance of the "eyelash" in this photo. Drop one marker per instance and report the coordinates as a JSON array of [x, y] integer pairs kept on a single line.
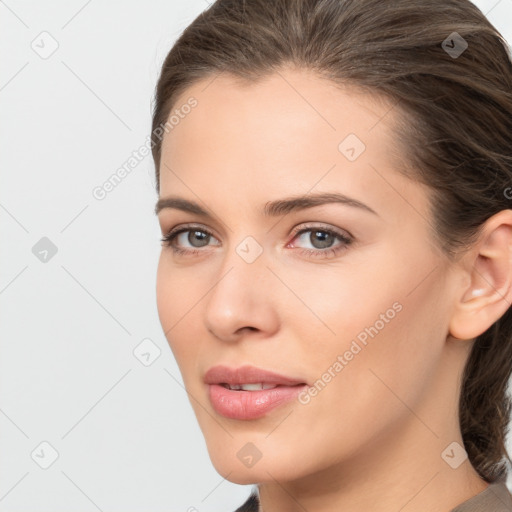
[[169, 238]]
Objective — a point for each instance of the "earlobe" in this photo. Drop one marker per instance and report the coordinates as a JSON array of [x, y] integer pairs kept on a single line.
[[488, 264]]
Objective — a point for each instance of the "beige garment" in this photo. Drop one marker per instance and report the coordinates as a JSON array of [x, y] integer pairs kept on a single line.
[[495, 498]]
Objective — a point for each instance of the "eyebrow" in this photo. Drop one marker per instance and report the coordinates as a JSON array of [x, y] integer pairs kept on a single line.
[[272, 208]]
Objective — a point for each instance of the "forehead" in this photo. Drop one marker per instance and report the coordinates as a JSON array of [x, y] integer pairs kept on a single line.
[[278, 106], [287, 131]]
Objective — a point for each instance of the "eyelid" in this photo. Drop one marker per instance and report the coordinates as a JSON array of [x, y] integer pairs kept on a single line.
[[345, 238], [188, 227], [320, 226], [343, 233]]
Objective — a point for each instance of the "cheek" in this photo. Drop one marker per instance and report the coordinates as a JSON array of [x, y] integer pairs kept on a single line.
[[178, 290], [176, 296], [377, 313], [165, 294]]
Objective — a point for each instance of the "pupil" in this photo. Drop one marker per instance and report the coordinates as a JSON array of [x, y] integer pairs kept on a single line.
[[197, 235], [326, 239]]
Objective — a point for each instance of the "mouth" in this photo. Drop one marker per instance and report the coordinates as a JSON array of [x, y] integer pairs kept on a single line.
[[248, 392], [253, 386]]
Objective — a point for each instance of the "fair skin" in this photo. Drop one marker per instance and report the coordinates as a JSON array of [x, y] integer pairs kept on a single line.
[[372, 439]]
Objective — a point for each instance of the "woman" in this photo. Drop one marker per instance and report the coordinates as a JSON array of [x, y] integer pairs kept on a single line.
[[335, 281]]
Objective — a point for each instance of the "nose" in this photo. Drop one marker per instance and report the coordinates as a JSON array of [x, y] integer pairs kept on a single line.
[[243, 299]]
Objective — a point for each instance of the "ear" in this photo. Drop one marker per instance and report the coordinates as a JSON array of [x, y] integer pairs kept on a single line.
[[488, 269]]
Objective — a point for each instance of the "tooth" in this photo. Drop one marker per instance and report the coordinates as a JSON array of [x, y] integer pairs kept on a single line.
[[252, 387]]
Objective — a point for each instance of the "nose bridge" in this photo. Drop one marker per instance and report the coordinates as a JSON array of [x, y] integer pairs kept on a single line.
[[240, 296], [244, 266]]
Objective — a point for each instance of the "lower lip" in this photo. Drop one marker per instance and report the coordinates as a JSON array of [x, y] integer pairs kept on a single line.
[[249, 405]]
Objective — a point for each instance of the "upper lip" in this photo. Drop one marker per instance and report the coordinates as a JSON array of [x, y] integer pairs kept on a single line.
[[247, 375]]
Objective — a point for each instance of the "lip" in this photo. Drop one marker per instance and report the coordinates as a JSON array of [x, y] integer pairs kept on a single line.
[[247, 405], [222, 374]]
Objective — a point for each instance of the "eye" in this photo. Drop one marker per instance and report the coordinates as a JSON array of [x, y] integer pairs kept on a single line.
[[197, 236], [322, 239]]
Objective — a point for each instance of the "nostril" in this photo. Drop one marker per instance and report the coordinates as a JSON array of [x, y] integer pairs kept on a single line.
[[249, 328]]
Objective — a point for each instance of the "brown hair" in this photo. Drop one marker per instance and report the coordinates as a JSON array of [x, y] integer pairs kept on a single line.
[[454, 128]]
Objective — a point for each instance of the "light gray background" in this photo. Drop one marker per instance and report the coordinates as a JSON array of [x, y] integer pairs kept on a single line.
[[125, 433]]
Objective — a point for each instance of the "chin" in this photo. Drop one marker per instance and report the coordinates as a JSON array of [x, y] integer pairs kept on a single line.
[[242, 463]]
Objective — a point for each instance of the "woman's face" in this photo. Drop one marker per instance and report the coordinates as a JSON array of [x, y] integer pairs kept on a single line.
[[349, 298]]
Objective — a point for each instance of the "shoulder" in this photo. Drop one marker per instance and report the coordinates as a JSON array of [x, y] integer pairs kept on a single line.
[[496, 498]]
